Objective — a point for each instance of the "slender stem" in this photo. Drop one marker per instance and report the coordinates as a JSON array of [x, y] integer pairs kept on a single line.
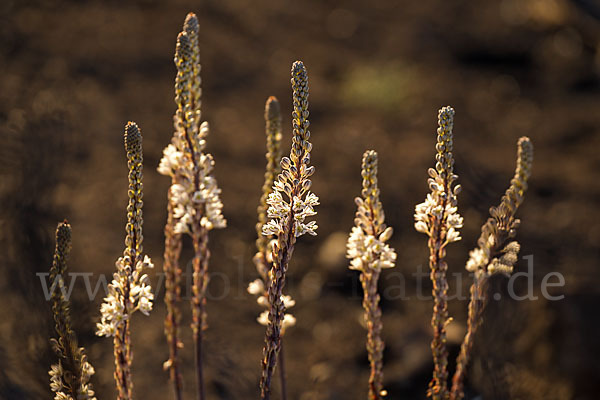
[[374, 343], [477, 305], [172, 295], [123, 362], [202, 255], [175, 375], [438, 387], [282, 373], [285, 248], [199, 372], [369, 280]]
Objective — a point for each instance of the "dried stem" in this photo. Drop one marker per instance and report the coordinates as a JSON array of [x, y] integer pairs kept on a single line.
[[172, 272], [285, 248], [71, 376], [375, 344], [263, 259], [438, 386], [122, 353], [288, 222], [438, 218], [130, 290], [194, 203], [282, 376], [369, 254], [489, 257], [273, 156], [200, 283], [477, 304], [132, 254]]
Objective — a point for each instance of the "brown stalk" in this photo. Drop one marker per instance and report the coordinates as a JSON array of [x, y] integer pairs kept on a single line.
[[295, 180], [498, 229], [477, 304], [282, 255], [200, 283], [374, 326], [172, 297], [438, 386]]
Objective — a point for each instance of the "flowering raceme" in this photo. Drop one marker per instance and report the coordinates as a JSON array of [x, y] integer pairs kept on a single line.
[[369, 254], [195, 207], [70, 377], [129, 290], [287, 222], [116, 307], [280, 209], [257, 288], [493, 256], [438, 218], [367, 251], [188, 199]]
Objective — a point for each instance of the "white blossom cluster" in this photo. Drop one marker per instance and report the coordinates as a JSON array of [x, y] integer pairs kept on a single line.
[[368, 252], [118, 308], [478, 258], [258, 288], [431, 213], [194, 189], [438, 215], [301, 205], [58, 386], [481, 261]]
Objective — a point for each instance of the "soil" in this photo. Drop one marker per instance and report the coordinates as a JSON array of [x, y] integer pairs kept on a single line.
[[73, 73]]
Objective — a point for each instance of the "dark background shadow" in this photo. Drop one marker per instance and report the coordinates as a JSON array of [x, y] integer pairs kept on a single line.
[[73, 73]]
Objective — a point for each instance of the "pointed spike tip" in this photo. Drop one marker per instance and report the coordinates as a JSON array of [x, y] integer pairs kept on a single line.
[[133, 137], [191, 23], [272, 108]]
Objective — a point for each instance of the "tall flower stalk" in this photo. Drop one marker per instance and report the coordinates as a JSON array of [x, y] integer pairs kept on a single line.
[[130, 289], [172, 272], [69, 379], [287, 222], [438, 218], [195, 206], [263, 259], [370, 254], [492, 256]]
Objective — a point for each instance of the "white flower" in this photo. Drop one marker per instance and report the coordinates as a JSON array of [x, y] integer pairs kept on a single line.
[[115, 309], [422, 227], [454, 219], [171, 160], [452, 235], [477, 260], [356, 264], [194, 189], [430, 212], [263, 318], [279, 211], [256, 287], [272, 227], [263, 301], [145, 304], [288, 302], [288, 321], [368, 252], [310, 228], [56, 373], [386, 234], [179, 194], [356, 243]]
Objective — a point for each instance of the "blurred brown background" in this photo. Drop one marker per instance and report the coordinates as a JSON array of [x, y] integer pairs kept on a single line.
[[72, 73]]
